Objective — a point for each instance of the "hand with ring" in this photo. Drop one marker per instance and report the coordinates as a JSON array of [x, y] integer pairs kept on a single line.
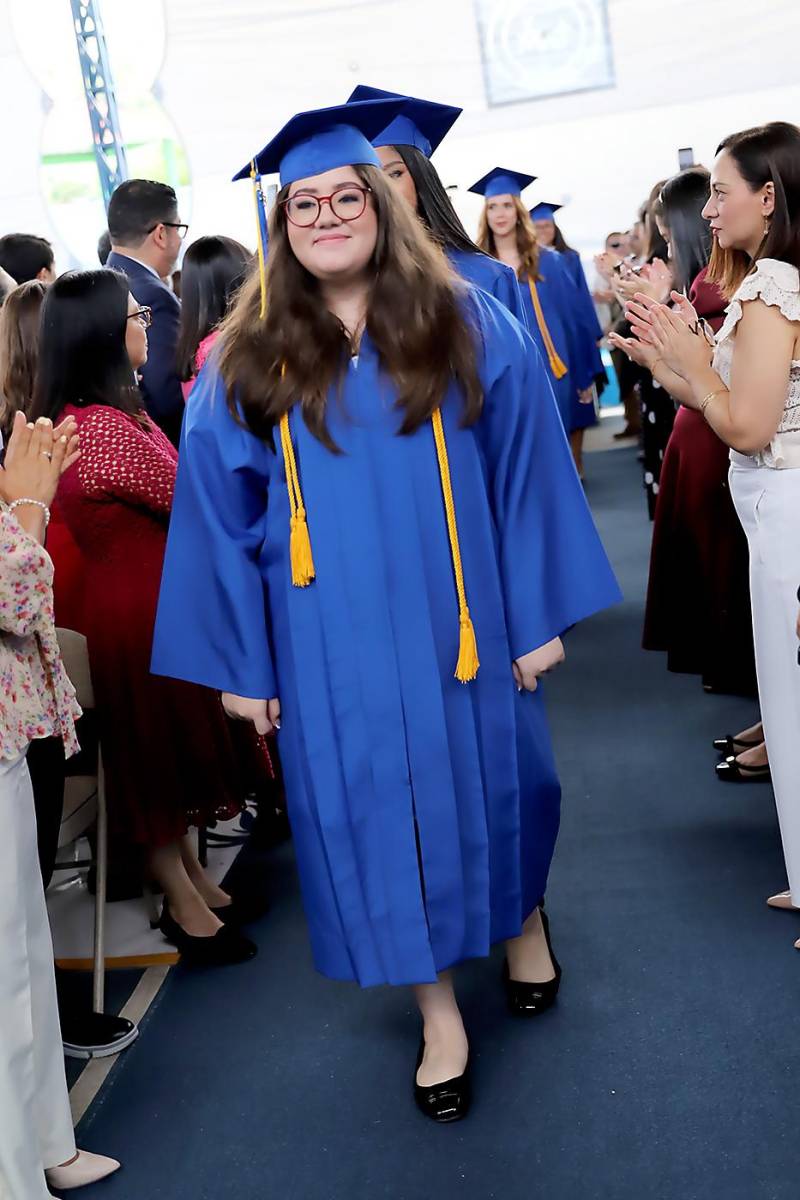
[[36, 457]]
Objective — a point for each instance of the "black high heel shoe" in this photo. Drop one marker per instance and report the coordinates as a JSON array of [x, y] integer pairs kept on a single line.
[[226, 946], [729, 746], [532, 999], [733, 771], [443, 1102]]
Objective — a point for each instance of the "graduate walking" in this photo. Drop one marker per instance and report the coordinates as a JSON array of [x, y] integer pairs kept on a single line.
[[404, 149], [378, 538], [554, 310]]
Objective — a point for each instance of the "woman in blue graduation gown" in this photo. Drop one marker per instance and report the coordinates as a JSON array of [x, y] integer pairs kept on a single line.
[[550, 237], [404, 149], [551, 300], [378, 532]]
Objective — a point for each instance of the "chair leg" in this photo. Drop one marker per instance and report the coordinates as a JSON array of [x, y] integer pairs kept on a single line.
[[99, 980]]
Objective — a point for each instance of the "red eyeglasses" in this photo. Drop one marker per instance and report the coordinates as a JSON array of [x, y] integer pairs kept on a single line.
[[347, 203]]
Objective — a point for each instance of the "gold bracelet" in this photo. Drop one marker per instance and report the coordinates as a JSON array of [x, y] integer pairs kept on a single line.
[[704, 403], [655, 363]]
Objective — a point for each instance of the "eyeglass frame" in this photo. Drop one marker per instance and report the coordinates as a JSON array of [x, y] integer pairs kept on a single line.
[[172, 225], [143, 311], [320, 200]]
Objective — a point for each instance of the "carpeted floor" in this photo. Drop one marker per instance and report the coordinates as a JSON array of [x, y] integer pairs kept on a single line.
[[668, 1070]]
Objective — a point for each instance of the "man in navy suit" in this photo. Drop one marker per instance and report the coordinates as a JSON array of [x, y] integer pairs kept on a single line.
[[146, 234]]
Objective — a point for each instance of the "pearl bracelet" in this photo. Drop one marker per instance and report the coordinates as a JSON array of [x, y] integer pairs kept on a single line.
[[26, 500]]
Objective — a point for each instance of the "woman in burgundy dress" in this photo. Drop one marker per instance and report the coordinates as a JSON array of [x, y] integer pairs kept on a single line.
[[698, 602], [170, 763]]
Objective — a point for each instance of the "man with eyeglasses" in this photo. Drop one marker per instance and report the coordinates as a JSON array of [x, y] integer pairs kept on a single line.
[[146, 234]]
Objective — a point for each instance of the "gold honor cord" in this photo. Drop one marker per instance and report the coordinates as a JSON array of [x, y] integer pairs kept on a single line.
[[302, 561], [556, 365]]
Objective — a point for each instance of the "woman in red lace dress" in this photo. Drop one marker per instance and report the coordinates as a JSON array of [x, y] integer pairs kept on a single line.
[[169, 759]]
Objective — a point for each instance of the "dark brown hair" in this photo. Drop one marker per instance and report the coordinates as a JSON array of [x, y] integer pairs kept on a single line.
[[764, 154], [527, 244], [83, 358], [415, 318], [19, 350]]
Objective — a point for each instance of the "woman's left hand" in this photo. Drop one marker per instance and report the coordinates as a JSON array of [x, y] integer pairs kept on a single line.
[[530, 667], [679, 347]]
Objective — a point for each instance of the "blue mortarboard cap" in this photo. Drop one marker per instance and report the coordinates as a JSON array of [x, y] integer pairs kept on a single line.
[[502, 182], [544, 211], [325, 138], [420, 123]]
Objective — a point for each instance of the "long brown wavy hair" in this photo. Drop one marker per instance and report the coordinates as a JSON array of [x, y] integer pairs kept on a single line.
[[527, 244], [19, 350], [415, 317]]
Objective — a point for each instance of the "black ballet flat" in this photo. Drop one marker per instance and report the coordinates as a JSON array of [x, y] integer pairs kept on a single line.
[[443, 1102], [733, 771], [532, 999], [227, 945], [727, 746]]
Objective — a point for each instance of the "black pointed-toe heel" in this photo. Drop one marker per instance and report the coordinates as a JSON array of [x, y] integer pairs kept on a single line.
[[443, 1102], [730, 746], [532, 999], [226, 946], [733, 771]]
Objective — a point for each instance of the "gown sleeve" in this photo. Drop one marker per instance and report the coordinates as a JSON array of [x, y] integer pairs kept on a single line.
[[553, 566], [572, 261], [212, 624], [584, 357]]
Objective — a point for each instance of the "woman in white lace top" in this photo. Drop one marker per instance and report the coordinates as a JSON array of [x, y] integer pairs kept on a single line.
[[747, 387]]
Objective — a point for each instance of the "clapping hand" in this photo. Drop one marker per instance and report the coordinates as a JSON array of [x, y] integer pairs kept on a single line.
[[683, 348], [36, 457]]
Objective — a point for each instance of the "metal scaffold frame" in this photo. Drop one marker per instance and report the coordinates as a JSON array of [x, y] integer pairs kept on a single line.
[[98, 85]]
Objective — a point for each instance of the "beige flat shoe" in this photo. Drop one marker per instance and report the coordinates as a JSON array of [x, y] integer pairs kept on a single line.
[[86, 1168], [782, 900]]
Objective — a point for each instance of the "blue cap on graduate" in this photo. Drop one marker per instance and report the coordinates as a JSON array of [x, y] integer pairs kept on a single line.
[[502, 182], [323, 139], [421, 123], [544, 211]]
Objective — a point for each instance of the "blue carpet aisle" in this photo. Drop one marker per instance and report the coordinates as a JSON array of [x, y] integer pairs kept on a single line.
[[668, 1069]]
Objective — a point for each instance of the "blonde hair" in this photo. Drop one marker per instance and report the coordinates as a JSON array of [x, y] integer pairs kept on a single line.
[[527, 244]]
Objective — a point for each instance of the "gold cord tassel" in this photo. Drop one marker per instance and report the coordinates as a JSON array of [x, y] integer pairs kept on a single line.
[[300, 554], [556, 364], [468, 661]]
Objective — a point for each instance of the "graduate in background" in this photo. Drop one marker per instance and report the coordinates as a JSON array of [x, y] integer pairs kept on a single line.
[[404, 149], [377, 506], [550, 298]]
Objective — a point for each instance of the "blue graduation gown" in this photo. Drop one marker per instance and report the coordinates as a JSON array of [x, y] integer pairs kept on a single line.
[[572, 261], [492, 276], [424, 811], [572, 339]]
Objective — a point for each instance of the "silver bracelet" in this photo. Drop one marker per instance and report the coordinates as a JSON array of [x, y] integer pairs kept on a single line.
[[36, 504]]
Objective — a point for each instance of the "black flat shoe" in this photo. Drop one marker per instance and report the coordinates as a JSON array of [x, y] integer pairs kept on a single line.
[[733, 771], [728, 746], [443, 1102], [226, 946], [532, 999]]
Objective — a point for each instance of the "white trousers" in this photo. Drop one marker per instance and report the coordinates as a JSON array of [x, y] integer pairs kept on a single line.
[[768, 504], [35, 1121]]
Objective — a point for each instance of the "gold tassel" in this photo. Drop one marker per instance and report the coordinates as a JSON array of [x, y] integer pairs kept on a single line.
[[300, 550], [301, 558], [467, 666], [468, 661], [556, 364]]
